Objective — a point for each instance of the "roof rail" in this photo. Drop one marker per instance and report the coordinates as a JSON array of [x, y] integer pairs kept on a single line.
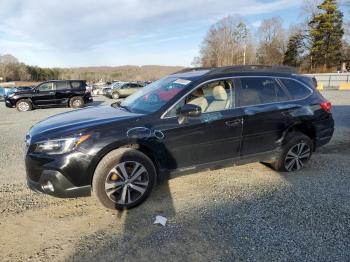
[[191, 69], [249, 68]]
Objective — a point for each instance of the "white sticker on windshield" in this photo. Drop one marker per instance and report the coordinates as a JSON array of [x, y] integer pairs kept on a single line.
[[182, 81]]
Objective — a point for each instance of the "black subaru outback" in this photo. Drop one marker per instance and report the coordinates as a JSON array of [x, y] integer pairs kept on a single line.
[[54, 93], [188, 121]]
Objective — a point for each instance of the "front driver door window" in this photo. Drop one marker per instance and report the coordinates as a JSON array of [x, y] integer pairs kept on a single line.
[[45, 94]]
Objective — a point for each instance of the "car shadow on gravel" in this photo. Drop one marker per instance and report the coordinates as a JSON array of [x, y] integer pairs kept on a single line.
[[278, 224]]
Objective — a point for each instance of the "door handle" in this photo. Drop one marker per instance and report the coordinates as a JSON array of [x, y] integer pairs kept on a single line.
[[233, 122], [51, 93]]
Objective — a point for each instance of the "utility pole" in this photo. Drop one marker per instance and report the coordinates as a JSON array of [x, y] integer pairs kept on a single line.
[[244, 53]]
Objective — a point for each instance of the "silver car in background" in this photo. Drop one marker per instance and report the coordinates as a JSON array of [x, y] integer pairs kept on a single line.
[[122, 90]]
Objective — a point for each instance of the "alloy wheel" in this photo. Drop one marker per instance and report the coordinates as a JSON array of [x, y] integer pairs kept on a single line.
[[23, 106], [76, 103], [127, 182], [297, 156]]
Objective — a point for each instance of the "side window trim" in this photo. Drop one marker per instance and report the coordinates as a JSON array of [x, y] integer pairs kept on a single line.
[[237, 92], [232, 87]]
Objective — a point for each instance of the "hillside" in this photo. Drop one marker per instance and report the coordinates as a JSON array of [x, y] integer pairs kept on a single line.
[[128, 72]]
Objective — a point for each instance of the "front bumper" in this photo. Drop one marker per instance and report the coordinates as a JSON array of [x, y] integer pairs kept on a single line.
[[68, 175], [8, 103], [60, 186]]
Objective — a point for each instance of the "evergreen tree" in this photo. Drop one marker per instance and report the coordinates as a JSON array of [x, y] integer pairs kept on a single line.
[[292, 56], [326, 35]]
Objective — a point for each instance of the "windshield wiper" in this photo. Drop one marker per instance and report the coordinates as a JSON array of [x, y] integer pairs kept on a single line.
[[118, 104], [125, 107]]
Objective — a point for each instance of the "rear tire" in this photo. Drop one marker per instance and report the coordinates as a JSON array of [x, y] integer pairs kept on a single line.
[[76, 102], [24, 105], [296, 152], [123, 179]]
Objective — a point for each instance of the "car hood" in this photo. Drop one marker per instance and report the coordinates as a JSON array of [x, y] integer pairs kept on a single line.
[[79, 119], [21, 92]]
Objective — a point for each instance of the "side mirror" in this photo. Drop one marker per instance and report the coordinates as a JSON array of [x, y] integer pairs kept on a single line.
[[188, 110]]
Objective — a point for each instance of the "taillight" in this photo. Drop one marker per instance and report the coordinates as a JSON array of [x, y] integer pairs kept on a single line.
[[326, 106]]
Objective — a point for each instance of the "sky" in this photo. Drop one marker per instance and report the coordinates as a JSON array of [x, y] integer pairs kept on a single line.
[[73, 33]]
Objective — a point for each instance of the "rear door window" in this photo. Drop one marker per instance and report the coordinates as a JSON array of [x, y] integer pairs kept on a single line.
[[260, 90], [295, 89], [62, 85], [257, 90]]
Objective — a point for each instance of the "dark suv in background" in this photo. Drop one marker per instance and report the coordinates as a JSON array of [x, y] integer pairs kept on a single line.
[[188, 121], [55, 93]]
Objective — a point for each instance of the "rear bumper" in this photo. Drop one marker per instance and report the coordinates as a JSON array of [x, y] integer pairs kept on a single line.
[[324, 131], [60, 186], [88, 99]]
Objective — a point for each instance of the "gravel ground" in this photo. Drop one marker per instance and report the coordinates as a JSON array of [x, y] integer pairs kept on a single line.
[[243, 213]]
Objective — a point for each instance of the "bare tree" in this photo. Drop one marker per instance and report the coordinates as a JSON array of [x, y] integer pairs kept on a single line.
[[227, 42], [272, 41]]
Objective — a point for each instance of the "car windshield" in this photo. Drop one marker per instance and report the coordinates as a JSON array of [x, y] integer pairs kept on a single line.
[[153, 96], [117, 84]]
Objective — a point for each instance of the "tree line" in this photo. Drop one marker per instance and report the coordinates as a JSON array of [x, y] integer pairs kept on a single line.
[[319, 43], [11, 70]]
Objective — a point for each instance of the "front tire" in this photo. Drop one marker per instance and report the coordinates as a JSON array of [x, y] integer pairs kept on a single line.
[[296, 152], [123, 179], [76, 102], [24, 105], [115, 95]]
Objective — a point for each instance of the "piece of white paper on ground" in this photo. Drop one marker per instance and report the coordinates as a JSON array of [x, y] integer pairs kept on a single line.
[[160, 220]]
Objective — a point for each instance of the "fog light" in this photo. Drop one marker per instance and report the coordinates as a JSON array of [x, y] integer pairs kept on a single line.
[[48, 187]]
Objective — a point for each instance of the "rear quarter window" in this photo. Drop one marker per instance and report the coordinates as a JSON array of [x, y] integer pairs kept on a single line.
[[295, 89], [77, 84]]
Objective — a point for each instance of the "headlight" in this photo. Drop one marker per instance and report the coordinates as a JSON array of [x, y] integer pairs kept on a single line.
[[59, 146]]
